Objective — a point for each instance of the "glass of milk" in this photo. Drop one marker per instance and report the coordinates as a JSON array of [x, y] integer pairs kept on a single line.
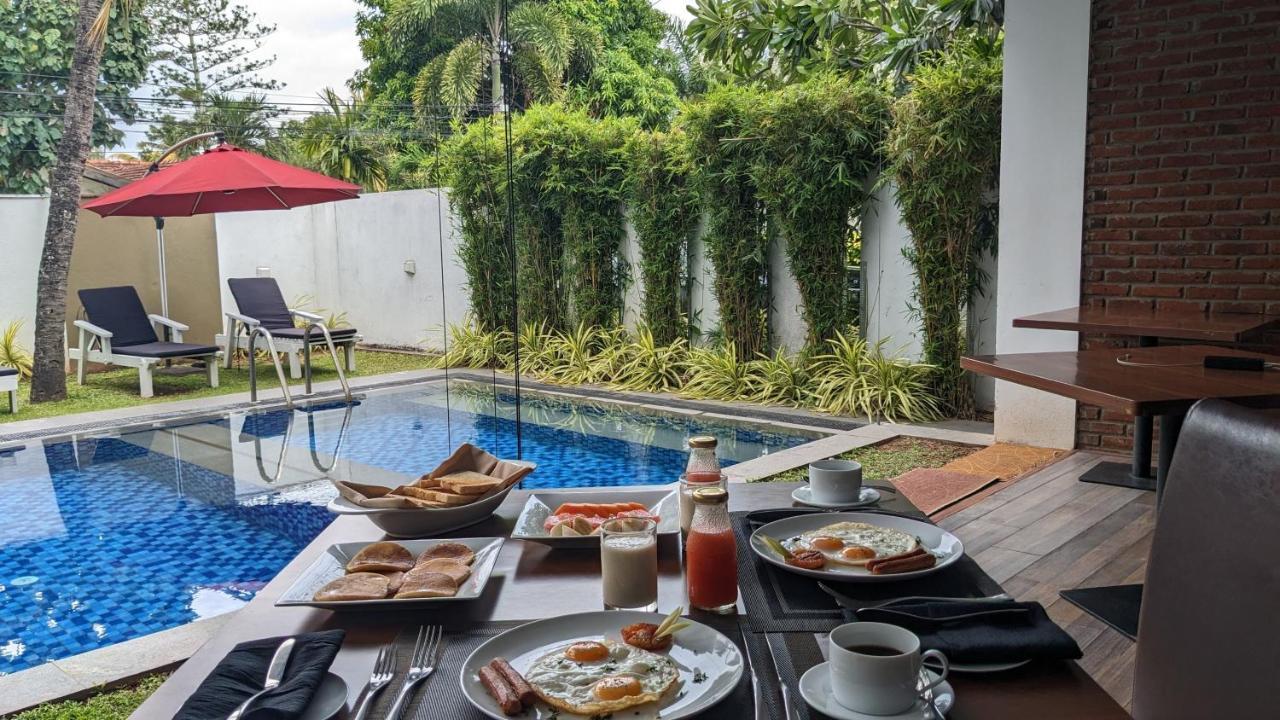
[[629, 564]]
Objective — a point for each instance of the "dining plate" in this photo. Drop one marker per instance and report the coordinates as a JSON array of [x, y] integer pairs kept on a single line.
[[945, 546], [332, 564], [710, 664], [815, 688], [541, 505], [804, 496]]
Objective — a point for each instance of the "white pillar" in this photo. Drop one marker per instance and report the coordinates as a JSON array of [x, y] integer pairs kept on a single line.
[[1046, 65]]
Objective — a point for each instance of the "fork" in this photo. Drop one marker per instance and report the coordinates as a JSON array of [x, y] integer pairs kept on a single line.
[[384, 669], [426, 653]]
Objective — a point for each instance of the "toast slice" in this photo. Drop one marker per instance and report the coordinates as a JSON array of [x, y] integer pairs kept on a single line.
[[444, 498], [469, 482]]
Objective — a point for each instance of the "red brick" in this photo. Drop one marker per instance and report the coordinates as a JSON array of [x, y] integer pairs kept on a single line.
[[1240, 218], [1239, 278], [1184, 220], [1156, 291], [1158, 262], [1213, 203], [1183, 277], [1260, 293], [1159, 206], [1213, 234], [1211, 262], [1261, 202]]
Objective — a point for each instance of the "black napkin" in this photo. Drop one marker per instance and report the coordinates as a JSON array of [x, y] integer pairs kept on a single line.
[[242, 672], [974, 632]]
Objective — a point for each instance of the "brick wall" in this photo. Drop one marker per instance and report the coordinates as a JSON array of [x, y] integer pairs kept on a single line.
[[1182, 176]]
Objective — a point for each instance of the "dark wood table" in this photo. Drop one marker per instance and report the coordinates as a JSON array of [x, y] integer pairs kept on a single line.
[[1140, 382], [533, 581], [1148, 326]]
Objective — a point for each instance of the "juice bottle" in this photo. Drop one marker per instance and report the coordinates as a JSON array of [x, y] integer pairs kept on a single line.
[[711, 562], [702, 470]]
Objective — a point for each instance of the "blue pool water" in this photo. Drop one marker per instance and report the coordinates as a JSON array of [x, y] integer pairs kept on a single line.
[[108, 538]]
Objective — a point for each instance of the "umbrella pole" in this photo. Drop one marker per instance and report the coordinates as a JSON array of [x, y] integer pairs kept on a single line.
[[164, 275]]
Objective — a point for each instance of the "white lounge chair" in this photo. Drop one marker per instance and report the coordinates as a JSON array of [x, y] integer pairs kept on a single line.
[[9, 385], [261, 304], [120, 332]]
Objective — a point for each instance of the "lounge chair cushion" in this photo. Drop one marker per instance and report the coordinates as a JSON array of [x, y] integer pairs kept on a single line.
[[260, 299], [119, 311], [5, 372], [295, 333], [164, 350]]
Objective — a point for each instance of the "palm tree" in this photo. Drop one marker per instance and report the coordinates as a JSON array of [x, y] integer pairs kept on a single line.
[[543, 42], [334, 143], [245, 121], [49, 380]]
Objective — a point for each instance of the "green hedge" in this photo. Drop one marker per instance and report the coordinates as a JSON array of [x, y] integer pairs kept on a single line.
[[664, 213], [944, 146]]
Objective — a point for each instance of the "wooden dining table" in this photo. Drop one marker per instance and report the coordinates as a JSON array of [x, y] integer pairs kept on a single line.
[[532, 581], [1149, 326], [1149, 382]]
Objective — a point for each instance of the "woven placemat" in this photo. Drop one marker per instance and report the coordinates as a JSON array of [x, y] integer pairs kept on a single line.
[[440, 696], [795, 653], [781, 601]]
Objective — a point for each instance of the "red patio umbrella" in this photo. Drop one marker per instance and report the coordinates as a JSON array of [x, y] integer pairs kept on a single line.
[[222, 179]]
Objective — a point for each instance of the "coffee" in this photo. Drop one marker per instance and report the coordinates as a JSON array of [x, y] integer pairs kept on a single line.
[[877, 650]]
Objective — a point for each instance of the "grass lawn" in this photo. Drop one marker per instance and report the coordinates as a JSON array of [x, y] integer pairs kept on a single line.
[[112, 705], [118, 387], [890, 459]]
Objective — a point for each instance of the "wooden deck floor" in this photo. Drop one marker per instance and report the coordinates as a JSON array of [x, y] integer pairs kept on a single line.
[[1048, 532]]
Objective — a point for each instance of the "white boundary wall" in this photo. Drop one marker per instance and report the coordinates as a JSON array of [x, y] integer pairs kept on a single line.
[[1046, 53], [21, 243], [356, 256]]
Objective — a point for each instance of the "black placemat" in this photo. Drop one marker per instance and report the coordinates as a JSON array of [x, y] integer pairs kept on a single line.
[[796, 653], [780, 601], [440, 696]]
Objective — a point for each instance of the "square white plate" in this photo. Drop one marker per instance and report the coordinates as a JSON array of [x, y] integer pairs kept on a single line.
[[332, 564], [540, 506]]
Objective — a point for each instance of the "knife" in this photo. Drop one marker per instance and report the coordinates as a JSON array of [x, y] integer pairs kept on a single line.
[[275, 673], [759, 712], [854, 604], [777, 670]]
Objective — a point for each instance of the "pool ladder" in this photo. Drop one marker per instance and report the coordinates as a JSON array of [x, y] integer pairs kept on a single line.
[[306, 362]]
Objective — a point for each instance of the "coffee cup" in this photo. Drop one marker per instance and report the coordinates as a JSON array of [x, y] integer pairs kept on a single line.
[[835, 481], [875, 668]]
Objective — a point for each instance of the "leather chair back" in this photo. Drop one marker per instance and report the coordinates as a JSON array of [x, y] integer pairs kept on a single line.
[[1209, 633]]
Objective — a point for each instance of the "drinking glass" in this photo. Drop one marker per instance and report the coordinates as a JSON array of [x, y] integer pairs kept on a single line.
[[629, 564]]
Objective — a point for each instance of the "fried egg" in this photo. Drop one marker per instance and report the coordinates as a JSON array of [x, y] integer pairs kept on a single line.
[[600, 677], [853, 543]]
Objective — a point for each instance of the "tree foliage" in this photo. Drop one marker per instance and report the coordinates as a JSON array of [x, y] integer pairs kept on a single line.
[[664, 212], [474, 166], [944, 148], [784, 40], [207, 47], [819, 150], [37, 38], [245, 121], [335, 143], [206, 56]]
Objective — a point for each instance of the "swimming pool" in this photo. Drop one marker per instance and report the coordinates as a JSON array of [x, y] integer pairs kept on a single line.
[[112, 536]]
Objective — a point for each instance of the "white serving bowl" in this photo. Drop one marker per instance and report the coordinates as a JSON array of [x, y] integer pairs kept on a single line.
[[422, 522]]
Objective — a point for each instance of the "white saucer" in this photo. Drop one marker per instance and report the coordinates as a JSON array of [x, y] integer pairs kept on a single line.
[[988, 667], [804, 496], [815, 687]]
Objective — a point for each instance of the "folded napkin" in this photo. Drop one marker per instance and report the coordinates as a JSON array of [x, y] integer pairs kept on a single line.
[[978, 631], [242, 672], [466, 458]]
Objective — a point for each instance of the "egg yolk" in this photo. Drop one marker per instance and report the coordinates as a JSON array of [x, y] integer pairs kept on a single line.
[[826, 543], [586, 652], [858, 552], [616, 686]]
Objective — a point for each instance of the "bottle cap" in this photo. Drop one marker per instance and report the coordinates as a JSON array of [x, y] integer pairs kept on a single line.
[[702, 441], [711, 496]]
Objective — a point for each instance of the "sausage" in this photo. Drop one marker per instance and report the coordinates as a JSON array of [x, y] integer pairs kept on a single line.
[[500, 690], [807, 559], [874, 562], [916, 562], [522, 688]]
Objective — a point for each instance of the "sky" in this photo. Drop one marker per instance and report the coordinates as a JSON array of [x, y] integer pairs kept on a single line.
[[316, 47]]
